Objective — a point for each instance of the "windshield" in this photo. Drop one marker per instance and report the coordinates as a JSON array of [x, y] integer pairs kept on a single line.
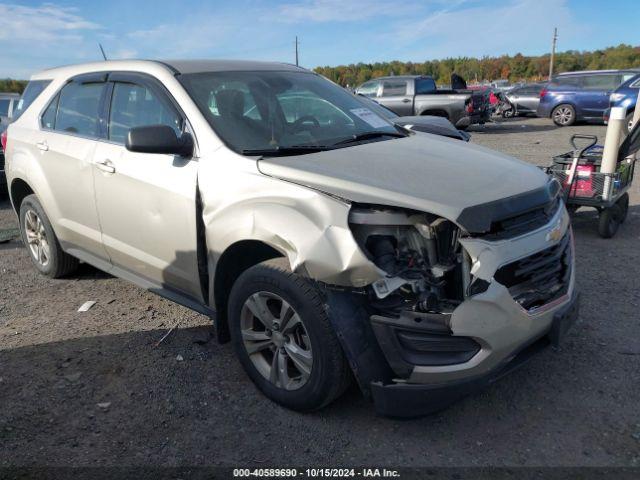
[[262, 110]]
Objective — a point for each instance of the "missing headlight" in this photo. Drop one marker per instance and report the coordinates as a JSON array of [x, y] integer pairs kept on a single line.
[[420, 254]]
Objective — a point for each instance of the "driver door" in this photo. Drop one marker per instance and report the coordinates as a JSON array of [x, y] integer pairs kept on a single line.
[[146, 202]]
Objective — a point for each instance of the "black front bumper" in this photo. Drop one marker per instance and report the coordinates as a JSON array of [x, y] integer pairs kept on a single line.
[[412, 400]]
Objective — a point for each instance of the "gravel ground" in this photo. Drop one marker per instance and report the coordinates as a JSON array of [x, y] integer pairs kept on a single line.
[[94, 389]]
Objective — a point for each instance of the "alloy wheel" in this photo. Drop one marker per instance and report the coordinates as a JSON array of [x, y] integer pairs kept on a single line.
[[276, 340], [37, 238], [563, 115]]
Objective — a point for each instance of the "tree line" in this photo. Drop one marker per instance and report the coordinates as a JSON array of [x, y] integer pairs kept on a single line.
[[514, 68], [12, 86]]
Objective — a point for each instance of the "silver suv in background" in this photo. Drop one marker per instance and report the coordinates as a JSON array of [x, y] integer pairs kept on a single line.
[[326, 243]]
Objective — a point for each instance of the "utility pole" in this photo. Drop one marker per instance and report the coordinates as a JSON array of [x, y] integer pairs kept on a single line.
[[296, 50], [553, 52]]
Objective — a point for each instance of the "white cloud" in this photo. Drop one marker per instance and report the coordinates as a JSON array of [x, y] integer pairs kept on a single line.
[[46, 23]]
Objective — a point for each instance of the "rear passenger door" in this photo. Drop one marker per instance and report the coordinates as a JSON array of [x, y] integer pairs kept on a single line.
[[146, 202], [70, 127], [395, 95]]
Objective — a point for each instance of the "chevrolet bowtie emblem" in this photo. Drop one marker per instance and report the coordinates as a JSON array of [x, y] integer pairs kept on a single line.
[[555, 233]]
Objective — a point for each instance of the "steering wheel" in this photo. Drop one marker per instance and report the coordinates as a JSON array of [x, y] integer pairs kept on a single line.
[[299, 124]]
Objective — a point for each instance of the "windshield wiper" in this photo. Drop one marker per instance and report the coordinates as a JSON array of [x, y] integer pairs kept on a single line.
[[284, 151], [367, 135]]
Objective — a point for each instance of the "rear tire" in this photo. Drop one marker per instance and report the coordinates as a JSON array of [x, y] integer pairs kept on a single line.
[[609, 221], [302, 369], [41, 241], [564, 115]]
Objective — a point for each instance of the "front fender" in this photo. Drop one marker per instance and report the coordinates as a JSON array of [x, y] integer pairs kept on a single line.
[[310, 228]]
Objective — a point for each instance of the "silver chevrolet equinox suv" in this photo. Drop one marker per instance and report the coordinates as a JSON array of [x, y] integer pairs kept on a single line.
[[326, 244]]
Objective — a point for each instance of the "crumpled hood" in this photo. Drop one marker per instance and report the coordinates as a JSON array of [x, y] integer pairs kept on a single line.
[[421, 172]]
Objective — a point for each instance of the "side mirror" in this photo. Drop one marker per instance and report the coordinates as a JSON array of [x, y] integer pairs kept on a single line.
[[159, 139]]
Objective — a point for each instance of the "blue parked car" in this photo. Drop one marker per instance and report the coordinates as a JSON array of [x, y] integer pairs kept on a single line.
[[580, 96], [626, 95]]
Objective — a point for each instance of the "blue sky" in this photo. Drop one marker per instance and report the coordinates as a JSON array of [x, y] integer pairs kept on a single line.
[[36, 35]]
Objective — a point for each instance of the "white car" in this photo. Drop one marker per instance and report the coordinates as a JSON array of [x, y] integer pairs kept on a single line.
[[325, 242]]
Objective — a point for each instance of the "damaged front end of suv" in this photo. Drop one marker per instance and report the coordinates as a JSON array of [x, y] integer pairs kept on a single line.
[[456, 308], [470, 266]]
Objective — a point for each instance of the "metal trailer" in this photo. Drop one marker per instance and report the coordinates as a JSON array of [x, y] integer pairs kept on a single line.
[[583, 185]]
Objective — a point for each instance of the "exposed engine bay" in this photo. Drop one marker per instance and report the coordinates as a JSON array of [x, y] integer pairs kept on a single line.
[[426, 267]]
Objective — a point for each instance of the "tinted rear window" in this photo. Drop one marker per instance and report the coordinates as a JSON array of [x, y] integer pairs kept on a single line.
[[425, 85], [391, 88], [31, 92], [571, 81], [601, 82]]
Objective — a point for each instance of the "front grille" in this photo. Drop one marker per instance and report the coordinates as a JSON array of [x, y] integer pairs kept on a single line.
[[539, 278], [524, 222]]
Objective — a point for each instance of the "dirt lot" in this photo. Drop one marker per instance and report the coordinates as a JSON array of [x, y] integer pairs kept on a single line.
[[575, 406]]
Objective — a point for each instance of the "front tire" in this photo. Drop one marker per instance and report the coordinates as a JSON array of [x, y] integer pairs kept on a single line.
[[564, 115], [283, 338], [41, 241]]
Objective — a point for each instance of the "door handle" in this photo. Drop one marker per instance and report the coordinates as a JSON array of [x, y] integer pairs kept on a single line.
[[44, 146], [405, 100], [106, 166]]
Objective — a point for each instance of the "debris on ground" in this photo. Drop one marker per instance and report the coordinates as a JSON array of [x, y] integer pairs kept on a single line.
[[73, 377], [157, 344], [104, 405], [180, 358], [86, 306]]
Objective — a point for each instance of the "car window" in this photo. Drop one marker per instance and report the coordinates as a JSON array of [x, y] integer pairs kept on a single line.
[[48, 119], [527, 91], [391, 88], [627, 76], [425, 85], [31, 92], [134, 105], [243, 97], [569, 81], [4, 106], [78, 108], [368, 89], [601, 82]]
